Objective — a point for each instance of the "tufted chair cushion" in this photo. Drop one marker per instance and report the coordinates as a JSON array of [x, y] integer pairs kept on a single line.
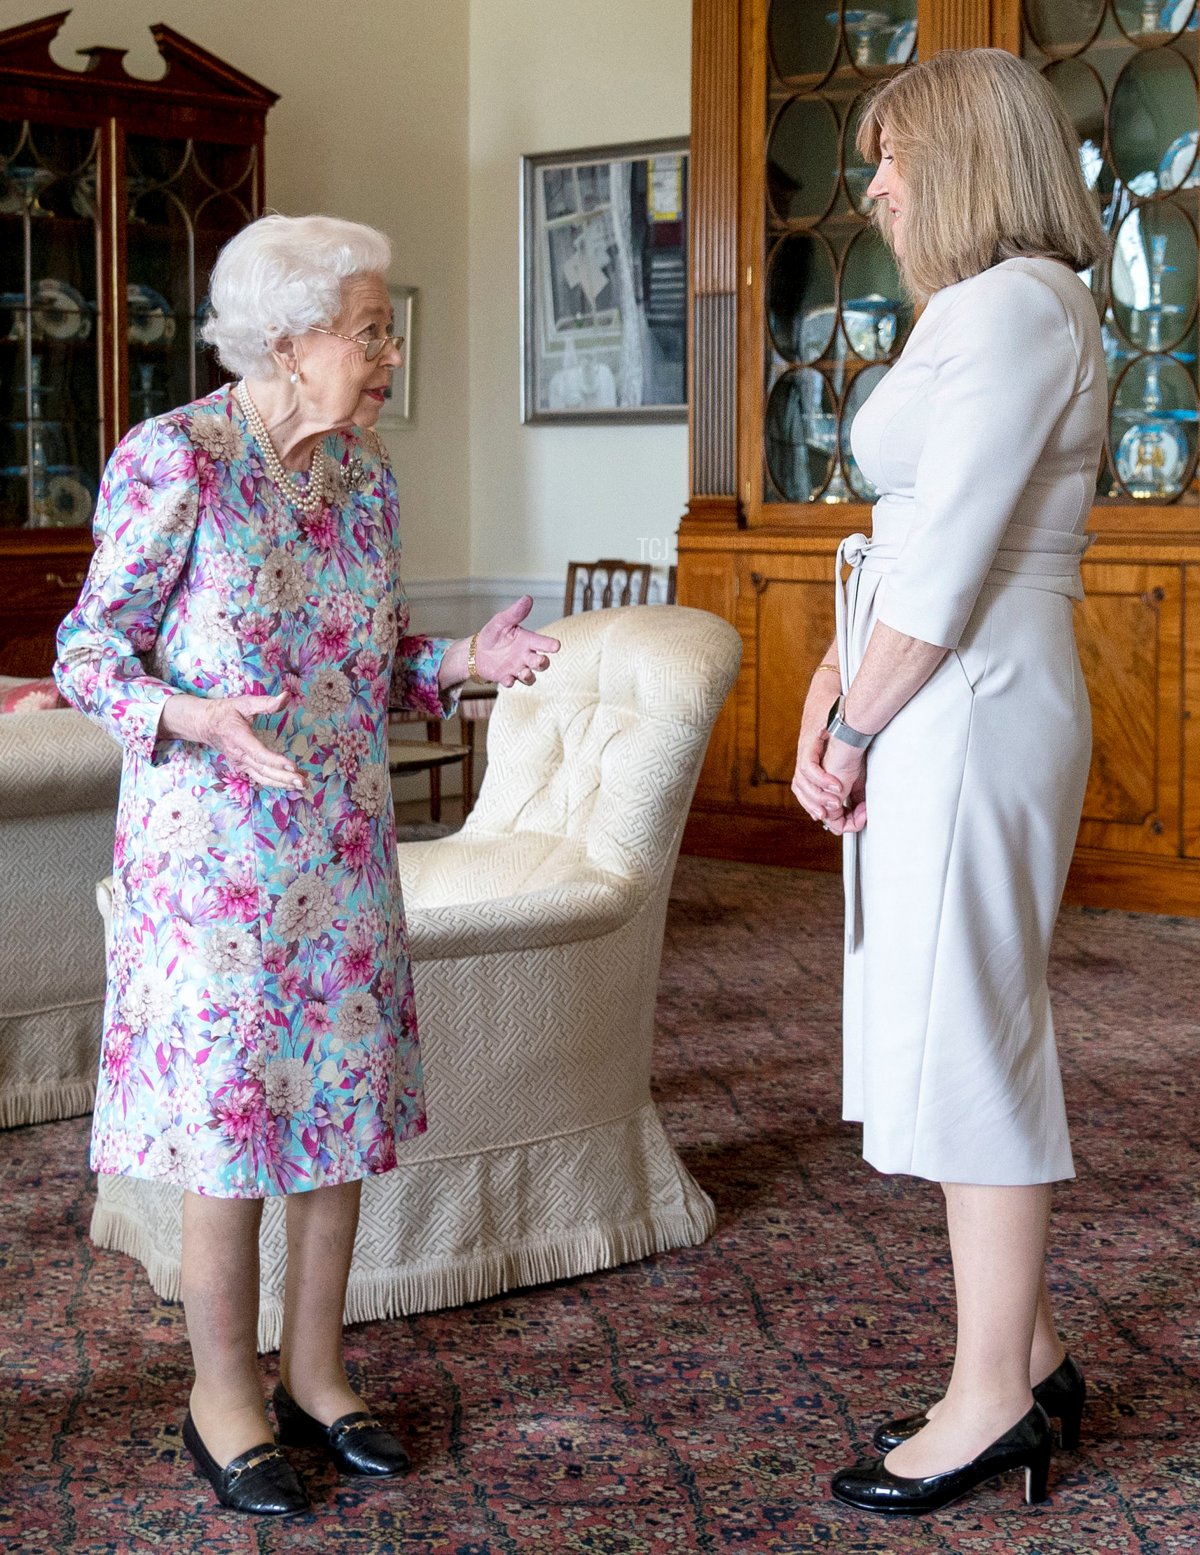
[[591, 769]]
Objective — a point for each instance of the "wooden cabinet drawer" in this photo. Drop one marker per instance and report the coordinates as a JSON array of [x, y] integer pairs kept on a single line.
[[42, 584], [40, 578]]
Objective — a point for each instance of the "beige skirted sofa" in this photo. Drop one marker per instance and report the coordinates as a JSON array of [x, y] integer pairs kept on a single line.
[[536, 934], [59, 776]]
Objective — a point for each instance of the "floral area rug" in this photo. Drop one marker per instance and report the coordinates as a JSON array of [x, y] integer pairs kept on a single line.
[[697, 1401]]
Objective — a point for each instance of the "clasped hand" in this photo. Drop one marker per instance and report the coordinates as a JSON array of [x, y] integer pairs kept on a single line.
[[830, 780]]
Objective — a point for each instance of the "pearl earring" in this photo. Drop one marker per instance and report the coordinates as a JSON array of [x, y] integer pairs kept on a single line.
[[295, 378]]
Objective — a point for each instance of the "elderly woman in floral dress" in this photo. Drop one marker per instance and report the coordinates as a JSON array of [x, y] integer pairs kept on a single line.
[[242, 632]]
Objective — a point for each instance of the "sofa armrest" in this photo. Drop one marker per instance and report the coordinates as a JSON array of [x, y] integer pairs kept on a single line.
[[52, 763]]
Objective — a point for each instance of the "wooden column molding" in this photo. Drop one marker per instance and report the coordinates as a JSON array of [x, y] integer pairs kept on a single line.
[[712, 354]]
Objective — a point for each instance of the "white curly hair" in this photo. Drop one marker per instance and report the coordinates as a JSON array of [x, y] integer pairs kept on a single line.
[[279, 277]]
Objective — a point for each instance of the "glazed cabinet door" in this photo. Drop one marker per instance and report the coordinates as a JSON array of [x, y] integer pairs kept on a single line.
[[52, 324], [1125, 72], [1129, 631], [827, 313]]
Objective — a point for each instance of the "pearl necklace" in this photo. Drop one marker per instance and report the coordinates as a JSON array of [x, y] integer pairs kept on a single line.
[[307, 498]]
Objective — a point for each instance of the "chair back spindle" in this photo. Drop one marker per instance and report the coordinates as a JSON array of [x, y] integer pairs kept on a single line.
[[602, 584]]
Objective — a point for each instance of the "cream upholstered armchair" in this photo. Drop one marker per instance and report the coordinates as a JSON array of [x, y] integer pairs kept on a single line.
[[536, 934]]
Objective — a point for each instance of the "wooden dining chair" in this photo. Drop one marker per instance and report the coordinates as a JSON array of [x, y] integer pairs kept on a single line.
[[599, 585]]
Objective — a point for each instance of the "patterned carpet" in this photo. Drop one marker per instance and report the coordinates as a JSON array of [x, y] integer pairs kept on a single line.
[[697, 1401]]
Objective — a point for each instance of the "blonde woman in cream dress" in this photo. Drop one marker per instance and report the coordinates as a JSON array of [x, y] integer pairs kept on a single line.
[[956, 763]]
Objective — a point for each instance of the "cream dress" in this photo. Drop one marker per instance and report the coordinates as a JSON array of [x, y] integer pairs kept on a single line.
[[983, 442]]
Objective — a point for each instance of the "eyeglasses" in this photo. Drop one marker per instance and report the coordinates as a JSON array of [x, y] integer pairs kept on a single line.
[[374, 348]]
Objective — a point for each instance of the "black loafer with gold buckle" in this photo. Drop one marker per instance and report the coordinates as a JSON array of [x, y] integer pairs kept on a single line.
[[259, 1481], [357, 1443]]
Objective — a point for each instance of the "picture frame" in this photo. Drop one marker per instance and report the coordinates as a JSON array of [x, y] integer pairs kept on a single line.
[[604, 283], [398, 406]]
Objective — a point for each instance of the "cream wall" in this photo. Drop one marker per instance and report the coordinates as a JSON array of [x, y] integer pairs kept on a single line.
[[413, 114], [372, 125], [546, 77]]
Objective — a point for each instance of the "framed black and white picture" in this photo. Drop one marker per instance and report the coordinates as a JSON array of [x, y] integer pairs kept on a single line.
[[604, 283], [397, 407]]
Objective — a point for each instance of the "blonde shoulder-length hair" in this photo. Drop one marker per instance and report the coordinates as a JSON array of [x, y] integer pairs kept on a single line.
[[991, 163]]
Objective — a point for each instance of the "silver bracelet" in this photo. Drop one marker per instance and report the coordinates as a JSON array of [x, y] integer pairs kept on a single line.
[[838, 729]]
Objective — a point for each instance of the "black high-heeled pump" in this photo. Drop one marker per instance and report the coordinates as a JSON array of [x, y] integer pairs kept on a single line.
[[259, 1481], [1062, 1395], [872, 1487], [357, 1443]]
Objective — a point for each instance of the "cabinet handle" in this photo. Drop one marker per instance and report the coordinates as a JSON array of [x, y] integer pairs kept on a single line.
[[59, 582]]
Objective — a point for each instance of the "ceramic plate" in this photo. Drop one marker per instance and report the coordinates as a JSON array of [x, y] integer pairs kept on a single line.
[[151, 317], [59, 312], [1179, 168]]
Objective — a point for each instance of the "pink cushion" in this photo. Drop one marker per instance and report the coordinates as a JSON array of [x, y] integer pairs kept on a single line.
[[32, 696]]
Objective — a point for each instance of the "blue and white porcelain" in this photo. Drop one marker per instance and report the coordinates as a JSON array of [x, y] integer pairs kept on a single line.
[[862, 29], [20, 187], [1178, 16], [1152, 457], [1180, 168], [151, 316], [902, 42], [59, 312]]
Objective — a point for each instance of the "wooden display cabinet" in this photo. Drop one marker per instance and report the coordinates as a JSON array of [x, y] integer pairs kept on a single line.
[[116, 195], [796, 310]]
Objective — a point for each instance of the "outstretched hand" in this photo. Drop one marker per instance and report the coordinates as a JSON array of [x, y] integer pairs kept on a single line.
[[507, 652]]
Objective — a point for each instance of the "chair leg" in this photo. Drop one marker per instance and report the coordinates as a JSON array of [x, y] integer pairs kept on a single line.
[[469, 771], [433, 732]]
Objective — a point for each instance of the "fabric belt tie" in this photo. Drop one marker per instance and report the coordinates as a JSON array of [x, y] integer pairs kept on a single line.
[[1044, 559], [853, 552]]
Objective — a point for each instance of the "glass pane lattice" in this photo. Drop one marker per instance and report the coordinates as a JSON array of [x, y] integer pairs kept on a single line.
[[186, 199], [1126, 71], [835, 314], [50, 428]]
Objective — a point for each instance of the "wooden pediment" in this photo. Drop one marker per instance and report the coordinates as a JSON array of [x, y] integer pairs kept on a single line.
[[195, 69], [192, 72]]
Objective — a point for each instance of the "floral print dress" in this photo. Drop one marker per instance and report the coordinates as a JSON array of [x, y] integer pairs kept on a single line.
[[259, 1031]]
